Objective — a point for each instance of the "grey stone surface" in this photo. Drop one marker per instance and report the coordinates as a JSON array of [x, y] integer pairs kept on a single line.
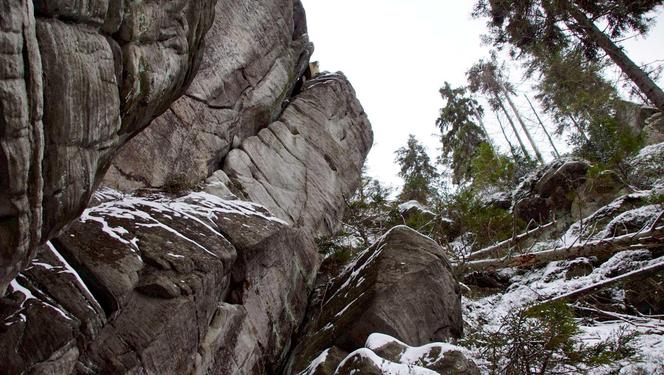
[[79, 78], [302, 166], [161, 285], [255, 53], [21, 139], [401, 286]]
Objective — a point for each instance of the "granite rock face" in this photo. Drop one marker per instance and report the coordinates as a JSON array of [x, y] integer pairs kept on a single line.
[[160, 285], [303, 166], [215, 281], [401, 286], [78, 80], [255, 53]]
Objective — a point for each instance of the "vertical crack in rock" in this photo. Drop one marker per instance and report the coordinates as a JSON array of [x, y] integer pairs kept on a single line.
[[21, 140], [103, 295]]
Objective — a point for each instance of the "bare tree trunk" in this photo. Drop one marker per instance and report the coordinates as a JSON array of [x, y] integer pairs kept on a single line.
[[640, 78], [499, 247], [601, 248], [502, 129], [578, 128], [479, 119], [636, 275], [523, 124], [509, 119], [555, 150]]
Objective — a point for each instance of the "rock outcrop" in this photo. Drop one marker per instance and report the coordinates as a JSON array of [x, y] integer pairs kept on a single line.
[[79, 80], [401, 286], [548, 192], [215, 281], [305, 165], [256, 51], [646, 168], [160, 285], [383, 354]]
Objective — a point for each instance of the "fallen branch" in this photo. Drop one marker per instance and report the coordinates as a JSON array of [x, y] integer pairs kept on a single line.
[[649, 324], [497, 248], [636, 275], [601, 248]]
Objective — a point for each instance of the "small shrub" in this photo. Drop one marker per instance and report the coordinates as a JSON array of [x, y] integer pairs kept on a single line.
[[178, 184], [655, 199], [543, 340], [489, 224]]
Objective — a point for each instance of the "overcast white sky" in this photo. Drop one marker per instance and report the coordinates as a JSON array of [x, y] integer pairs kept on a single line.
[[398, 53]]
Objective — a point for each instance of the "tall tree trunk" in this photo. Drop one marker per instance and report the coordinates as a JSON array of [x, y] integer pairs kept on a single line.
[[509, 119], [523, 124], [502, 129], [555, 150], [640, 78], [479, 119], [578, 128]]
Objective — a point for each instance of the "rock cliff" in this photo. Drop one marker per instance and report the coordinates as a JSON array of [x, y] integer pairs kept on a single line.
[[158, 272], [255, 53], [151, 282], [79, 79]]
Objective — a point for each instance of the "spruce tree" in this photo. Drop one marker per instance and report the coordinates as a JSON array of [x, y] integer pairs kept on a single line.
[[419, 175], [542, 27], [460, 134]]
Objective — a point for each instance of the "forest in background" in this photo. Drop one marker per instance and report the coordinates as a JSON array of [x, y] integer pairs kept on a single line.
[[464, 197]]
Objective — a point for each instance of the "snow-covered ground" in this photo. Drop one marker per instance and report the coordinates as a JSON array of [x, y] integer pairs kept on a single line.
[[527, 287]]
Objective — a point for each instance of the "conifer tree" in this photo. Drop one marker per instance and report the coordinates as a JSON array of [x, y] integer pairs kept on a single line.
[[419, 175], [460, 134], [542, 27], [486, 77], [572, 89]]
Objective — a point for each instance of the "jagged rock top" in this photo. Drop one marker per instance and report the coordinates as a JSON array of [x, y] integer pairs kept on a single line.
[[304, 166]]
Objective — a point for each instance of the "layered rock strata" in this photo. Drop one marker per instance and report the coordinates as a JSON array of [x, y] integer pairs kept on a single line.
[[256, 52], [78, 80], [306, 165]]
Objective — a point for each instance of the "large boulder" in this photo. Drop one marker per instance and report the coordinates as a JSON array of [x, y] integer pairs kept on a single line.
[[159, 285], [646, 168], [255, 53], [401, 286], [78, 80], [385, 355], [550, 191], [303, 166]]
